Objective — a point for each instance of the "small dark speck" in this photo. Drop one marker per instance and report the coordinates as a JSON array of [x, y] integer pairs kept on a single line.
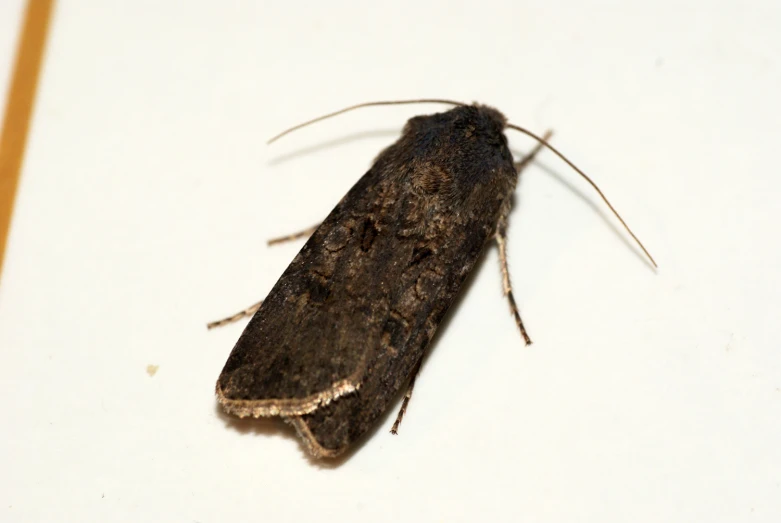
[[659, 62]]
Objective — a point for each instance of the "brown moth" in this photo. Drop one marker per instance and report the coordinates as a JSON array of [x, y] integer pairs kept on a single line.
[[347, 324]]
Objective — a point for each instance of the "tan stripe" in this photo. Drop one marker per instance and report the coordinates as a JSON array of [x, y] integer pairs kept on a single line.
[[18, 108]]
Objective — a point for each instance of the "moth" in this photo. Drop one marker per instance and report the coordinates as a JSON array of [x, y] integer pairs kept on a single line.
[[348, 323]]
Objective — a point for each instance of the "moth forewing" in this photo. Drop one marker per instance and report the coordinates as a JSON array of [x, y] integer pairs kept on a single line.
[[342, 330]]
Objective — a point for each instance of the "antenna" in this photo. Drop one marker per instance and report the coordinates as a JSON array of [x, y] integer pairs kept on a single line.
[[509, 125], [367, 104]]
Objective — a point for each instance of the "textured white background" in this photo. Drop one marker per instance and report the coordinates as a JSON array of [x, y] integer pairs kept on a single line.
[[148, 193]]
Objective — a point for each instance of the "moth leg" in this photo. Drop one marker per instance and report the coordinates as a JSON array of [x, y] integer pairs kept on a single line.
[[501, 241], [526, 160], [246, 313], [405, 401], [296, 235], [252, 309]]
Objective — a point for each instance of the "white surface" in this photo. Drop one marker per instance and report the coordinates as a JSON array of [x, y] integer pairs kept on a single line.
[[148, 193]]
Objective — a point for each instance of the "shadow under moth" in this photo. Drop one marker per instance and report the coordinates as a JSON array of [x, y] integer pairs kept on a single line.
[[349, 321]]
